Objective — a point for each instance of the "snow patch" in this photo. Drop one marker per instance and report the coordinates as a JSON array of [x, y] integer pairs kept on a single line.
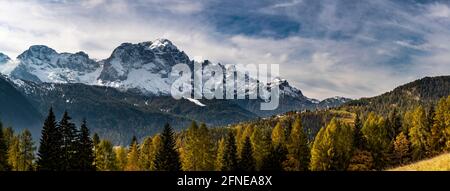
[[196, 102]]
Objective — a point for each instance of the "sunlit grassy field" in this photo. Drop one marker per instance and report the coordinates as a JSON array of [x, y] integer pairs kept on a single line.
[[438, 163]]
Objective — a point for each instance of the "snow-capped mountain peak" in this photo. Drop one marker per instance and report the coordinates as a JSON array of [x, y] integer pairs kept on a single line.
[[285, 88], [142, 66], [37, 53], [163, 45], [42, 64]]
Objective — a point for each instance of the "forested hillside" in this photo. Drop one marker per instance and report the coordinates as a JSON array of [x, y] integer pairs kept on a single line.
[[425, 91], [353, 137]]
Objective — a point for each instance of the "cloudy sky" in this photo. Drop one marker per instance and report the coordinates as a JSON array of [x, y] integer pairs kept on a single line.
[[349, 48]]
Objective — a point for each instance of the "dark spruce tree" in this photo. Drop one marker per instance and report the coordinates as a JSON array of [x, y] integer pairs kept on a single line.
[[246, 160], [274, 161], [49, 153], [70, 143], [4, 166], [229, 159], [393, 124], [167, 157], [359, 139], [85, 149]]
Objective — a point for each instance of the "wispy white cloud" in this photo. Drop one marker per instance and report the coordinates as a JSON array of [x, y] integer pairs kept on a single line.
[[439, 10], [353, 50]]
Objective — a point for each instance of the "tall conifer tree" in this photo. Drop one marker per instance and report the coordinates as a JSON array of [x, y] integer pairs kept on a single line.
[[85, 149], [246, 159], [298, 148], [229, 159], [133, 156], [49, 154], [4, 166], [167, 157], [146, 154], [70, 143]]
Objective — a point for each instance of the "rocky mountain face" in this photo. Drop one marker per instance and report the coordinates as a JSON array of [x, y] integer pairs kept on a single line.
[[290, 99], [128, 93], [42, 64], [144, 66]]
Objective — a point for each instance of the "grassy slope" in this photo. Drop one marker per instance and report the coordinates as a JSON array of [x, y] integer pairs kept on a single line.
[[438, 163]]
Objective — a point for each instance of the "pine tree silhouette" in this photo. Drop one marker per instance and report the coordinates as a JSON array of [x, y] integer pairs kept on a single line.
[[167, 157], [49, 154]]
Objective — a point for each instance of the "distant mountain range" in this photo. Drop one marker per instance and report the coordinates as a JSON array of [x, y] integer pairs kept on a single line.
[[125, 94]]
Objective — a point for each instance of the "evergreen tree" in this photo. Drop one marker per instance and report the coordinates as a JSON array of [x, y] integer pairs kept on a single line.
[[436, 136], [418, 134], [407, 122], [239, 132], [146, 155], [157, 145], [278, 134], [274, 161], [229, 159], [262, 144], [121, 157], [197, 152], [440, 132], [167, 157], [190, 151], [8, 135], [430, 117], [246, 160], [206, 148], [393, 124], [220, 154], [4, 166], [70, 143], [105, 158], [27, 150], [362, 159], [247, 132], [444, 119], [332, 148], [21, 152], [133, 156], [49, 154], [401, 148], [359, 139], [298, 149], [377, 138], [14, 155], [85, 149]]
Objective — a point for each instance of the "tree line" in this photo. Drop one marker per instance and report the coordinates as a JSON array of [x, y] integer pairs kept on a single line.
[[369, 142]]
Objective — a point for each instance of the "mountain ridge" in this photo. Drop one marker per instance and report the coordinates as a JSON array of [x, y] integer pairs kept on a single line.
[[128, 93], [423, 91], [143, 67]]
